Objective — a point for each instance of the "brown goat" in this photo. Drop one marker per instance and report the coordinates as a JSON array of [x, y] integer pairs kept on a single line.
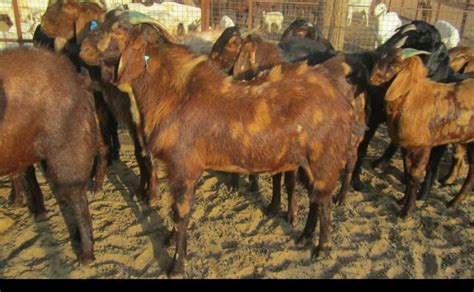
[[256, 55], [422, 114], [64, 20], [47, 114], [113, 105], [461, 60], [196, 118]]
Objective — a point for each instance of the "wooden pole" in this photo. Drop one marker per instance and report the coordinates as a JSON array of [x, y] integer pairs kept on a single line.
[[464, 18], [250, 16], [337, 38], [16, 11], [327, 18], [205, 8]]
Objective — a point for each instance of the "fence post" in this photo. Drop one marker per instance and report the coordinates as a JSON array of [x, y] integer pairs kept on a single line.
[[250, 16], [340, 19], [464, 17], [205, 13], [16, 11]]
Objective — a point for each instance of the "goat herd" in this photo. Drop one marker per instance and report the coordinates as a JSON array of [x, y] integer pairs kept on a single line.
[[240, 105]]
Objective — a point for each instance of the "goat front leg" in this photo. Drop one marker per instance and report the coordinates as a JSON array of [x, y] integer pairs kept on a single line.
[[36, 195], [468, 183], [417, 160], [456, 165], [431, 172], [183, 195], [290, 182], [274, 206], [384, 161]]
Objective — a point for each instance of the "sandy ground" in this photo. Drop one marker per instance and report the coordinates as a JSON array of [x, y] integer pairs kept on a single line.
[[230, 235]]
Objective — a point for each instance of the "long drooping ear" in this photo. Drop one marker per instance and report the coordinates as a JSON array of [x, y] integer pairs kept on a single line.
[[413, 69], [133, 61]]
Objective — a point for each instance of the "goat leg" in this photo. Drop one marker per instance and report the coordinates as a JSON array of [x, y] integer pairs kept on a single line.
[[384, 161], [290, 182], [431, 172], [36, 195], [274, 206], [456, 165], [468, 183], [18, 190]]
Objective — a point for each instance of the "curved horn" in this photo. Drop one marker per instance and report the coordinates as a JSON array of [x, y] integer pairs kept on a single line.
[[407, 28], [137, 18], [408, 53], [401, 42], [100, 3]]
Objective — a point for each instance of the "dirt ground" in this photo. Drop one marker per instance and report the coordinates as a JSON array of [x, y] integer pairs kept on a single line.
[[230, 235]]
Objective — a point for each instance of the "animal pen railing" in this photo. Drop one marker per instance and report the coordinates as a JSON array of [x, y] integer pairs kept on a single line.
[[348, 24]]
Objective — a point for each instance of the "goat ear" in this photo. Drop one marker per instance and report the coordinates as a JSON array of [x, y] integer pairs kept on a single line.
[[405, 78], [132, 61]]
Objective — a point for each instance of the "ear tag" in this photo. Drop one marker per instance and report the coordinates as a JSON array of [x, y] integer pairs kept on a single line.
[[146, 57], [93, 25]]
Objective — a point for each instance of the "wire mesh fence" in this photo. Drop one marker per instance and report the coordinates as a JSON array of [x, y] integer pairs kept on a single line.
[[351, 25]]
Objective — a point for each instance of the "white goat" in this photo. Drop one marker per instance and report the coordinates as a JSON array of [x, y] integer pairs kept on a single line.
[[226, 22], [362, 6], [272, 18], [185, 14], [387, 23], [449, 34]]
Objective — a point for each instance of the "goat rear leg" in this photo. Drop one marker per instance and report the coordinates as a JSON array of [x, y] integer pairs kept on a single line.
[[417, 160], [290, 182], [324, 226], [456, 165], [18, 190], [253, 180], [36, 195], [274, 206], [468, 183], [346, 183], [361, 154], [431, 172], [384, 161], [101, 165], [183, 195]]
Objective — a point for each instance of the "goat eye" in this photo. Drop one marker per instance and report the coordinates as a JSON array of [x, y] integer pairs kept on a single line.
[[93, 25]]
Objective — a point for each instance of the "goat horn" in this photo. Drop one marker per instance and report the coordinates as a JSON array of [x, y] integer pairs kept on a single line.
[[255, 31], [407, 28], [100, 3], [137, 18], [401, 42], [408, 53]]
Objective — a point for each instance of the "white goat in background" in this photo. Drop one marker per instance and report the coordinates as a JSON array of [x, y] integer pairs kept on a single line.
[[387, 23], [362, 6], [272, 18], [449, 34]]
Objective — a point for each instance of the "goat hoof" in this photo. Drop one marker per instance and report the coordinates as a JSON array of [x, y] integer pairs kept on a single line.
[[171, 239], [422, 196], [153, 201], [176, 270], [447, 181], [379, 165], [291, 218], [406, 213], [339, 200], [18, 204], [320, 253], [304, 241], [254, 188], [453, 204], [87, 260], [40, 217], [358, 185], [273, 209]]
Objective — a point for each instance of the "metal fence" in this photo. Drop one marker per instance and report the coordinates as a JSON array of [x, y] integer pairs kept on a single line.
[[349, 24]]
